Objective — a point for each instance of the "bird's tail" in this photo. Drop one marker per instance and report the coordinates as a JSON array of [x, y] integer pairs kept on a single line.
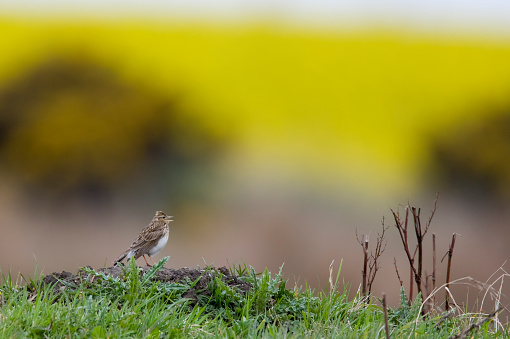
[[122, 256]]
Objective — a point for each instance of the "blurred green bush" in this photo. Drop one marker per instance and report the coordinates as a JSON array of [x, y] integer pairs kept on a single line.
[[70, 126], [473, 159]]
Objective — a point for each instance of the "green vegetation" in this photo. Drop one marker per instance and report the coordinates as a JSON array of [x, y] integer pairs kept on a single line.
[[102, 306]]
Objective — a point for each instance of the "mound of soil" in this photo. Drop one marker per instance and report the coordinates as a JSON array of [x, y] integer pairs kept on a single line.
[[165, 275]]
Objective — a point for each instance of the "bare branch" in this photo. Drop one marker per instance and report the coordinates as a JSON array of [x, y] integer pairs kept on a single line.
[[419, 239], [373, 260], [434, 262], [363, 241], [402, 229], [450, 254], [396, 270], [416, 257], [432, 213]]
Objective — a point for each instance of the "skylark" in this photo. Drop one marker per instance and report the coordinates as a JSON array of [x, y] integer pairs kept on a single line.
[[150, 241]]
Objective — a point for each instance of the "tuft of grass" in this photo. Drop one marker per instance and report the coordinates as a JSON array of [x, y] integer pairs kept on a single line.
[[101, 306]]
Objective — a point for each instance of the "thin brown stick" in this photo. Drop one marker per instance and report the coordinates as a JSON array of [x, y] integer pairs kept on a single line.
[[477, 325], [396, 270], [385, 310], [373, 260], [434, 267], [427, 286], [411, 284], [365, 263], [450, 254], [432, 213], [433, 261], [371, 263], [419, 246], [416, 257], [416, 266], [427, 307], [402, 230], [363, 241]]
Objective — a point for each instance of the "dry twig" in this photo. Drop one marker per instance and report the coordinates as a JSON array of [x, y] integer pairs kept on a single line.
[[434, 262], [396, 270], [415, 268], [385, 310], [363, 241], [449, 254], [371, 262]]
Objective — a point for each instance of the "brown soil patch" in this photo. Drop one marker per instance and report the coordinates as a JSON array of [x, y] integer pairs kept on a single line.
[[165, 275]]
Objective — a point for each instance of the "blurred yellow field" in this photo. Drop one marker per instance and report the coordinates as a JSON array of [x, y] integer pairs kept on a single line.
[[315, 103]]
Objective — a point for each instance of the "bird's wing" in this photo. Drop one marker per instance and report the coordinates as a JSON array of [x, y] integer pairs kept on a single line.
[[149, 234], [155, 231], [145, 248]]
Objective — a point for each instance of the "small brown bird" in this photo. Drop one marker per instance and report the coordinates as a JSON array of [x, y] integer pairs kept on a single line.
[[151, 239]]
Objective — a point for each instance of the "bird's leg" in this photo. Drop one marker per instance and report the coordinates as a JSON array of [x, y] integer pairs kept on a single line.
[[153, 263], [146, 261]]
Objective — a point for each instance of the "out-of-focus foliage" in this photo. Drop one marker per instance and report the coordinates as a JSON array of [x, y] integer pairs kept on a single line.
[[328, 109], [70, 125], [473, 160]]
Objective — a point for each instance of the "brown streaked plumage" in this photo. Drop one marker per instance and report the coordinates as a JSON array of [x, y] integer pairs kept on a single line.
[[151, 239]]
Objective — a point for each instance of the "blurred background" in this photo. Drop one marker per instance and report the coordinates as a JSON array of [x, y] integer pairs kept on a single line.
[[271, 131]]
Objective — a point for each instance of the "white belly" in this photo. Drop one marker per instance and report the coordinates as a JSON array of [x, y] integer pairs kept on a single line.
[[159, 246]]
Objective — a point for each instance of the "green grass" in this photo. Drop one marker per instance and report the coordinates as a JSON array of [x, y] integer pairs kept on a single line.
[[134, 307]]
